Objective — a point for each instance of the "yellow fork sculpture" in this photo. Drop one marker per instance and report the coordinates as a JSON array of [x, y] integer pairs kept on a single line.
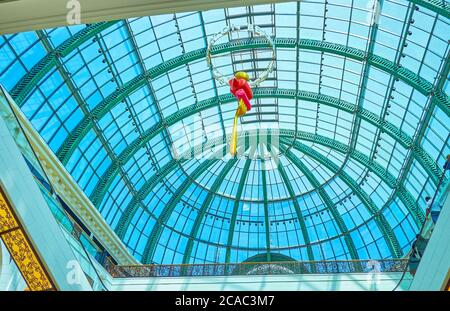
[[240, 111]]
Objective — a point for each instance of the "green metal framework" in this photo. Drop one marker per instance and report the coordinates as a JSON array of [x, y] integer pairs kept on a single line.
[[371, 165], [266, 211], [35, 74], [134, 204], [433, 91], [287, 136], [80, 102], [389, 91], [107, 178], [300, 217], [235, 209], [325, 198], [382, 223], [158, 177], [365, 78], [203, 210], [423, 86], [84, 126], [168, 209], [416, 147]]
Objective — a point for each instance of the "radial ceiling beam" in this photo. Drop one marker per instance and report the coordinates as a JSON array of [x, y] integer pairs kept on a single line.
[[323, 195], [377, 7], [235, 209], [297, 65], [202, 212], [390, 85], [443, 76], [216, 93], [266, 210], [365, 72], [151, 90], [298, 210], [415, 211], [170, 206], [380, 220], [31, 79], [409, 77], [291, 192], [427, 162]]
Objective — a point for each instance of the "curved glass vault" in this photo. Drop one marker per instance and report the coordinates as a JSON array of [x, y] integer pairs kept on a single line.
[[357, 114]]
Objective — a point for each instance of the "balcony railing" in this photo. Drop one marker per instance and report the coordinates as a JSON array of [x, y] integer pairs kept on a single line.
[[258, 268]]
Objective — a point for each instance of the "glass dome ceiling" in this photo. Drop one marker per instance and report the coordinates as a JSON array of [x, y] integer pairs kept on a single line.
[[357, 108]]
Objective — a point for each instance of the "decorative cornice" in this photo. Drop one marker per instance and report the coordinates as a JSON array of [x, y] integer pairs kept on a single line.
[[21, 250]]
